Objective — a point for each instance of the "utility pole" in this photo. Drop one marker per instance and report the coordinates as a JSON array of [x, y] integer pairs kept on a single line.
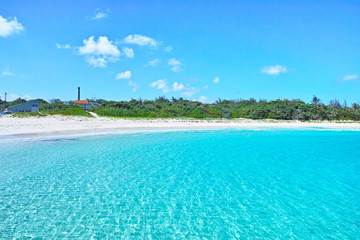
[[5, 96]]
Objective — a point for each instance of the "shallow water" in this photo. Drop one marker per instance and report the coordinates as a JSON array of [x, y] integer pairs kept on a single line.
[[273, 183]]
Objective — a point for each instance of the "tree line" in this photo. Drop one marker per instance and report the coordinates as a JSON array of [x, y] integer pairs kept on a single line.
[[285, 109], [163, 107]]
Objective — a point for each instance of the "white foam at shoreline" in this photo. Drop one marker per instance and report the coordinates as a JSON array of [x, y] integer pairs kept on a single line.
[[12, 128]]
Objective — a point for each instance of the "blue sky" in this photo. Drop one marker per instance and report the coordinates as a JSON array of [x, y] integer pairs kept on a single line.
[[201, 50]]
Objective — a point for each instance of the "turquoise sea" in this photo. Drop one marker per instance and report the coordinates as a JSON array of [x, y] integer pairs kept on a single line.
[[211, 184]]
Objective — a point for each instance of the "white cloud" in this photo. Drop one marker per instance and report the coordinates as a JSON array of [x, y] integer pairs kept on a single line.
[[62, 46], [133, 85], [176, 64], [161, 84], [128, 52], [100, 14], [178, 86], [216, 80], [350, 77], [124, 75], [206, 86], [6, 72], [154, 63], [96, 61], [99, 52], [9, 26], [274, 70], [100, 47], [141, 40], [176, 69], [203, 99], [168, 48], [190, 92]]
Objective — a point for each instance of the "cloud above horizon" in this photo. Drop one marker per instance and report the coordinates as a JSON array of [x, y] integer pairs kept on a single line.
[[128, 52], [168, 49], [203, 99], [6, 72], [161, 84], [62, 46], [9, 26], [177, 86], [190, 91], [100, 14], [350, 78], [175, 65], [124, 75], [216, 80], [274, 70], [99, 52], [133, 85], [154, 63], [141, 40]]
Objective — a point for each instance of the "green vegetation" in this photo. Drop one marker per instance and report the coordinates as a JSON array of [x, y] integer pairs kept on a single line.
[[63, 109], [230, 109], [48, 109], [162, 107], [29, 114]]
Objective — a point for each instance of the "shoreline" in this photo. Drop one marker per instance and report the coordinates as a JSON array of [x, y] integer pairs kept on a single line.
[[57, 125]]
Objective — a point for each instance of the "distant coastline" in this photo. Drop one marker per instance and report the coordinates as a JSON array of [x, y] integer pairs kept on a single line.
[[163, 107]]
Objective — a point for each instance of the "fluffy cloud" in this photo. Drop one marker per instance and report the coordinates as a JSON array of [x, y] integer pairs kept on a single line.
[[9, 26], [124, 75], [178, 86], [350, 77], [99, 52], [274, 70], [100, 14], [175, 64], [154, 63], [128, 52], [206, 86], [203, 99], [62, 46], [190, 91], [102, 47], [96, 61], [141, 40], [161, 84], [133, 85], [6, 72], [168, 48], [216, 80]]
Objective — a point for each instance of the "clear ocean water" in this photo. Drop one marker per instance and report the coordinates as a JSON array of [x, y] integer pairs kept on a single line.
[[215, 184]]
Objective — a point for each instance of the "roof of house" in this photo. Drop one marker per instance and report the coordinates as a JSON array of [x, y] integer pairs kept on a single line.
[[23, 103], [82, 101]]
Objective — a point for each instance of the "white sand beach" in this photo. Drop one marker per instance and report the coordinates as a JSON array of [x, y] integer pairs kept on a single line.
[[52, 125]]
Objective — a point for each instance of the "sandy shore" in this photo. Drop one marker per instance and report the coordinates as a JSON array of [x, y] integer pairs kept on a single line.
[[12, 126]]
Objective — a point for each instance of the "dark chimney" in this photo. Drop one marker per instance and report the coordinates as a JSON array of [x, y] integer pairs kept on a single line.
[[78, 93]]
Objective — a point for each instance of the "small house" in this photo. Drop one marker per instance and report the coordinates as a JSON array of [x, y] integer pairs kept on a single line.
[[83, 103], [29, 106]]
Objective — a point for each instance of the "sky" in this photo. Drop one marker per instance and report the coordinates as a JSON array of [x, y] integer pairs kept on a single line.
[[198, 50]]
